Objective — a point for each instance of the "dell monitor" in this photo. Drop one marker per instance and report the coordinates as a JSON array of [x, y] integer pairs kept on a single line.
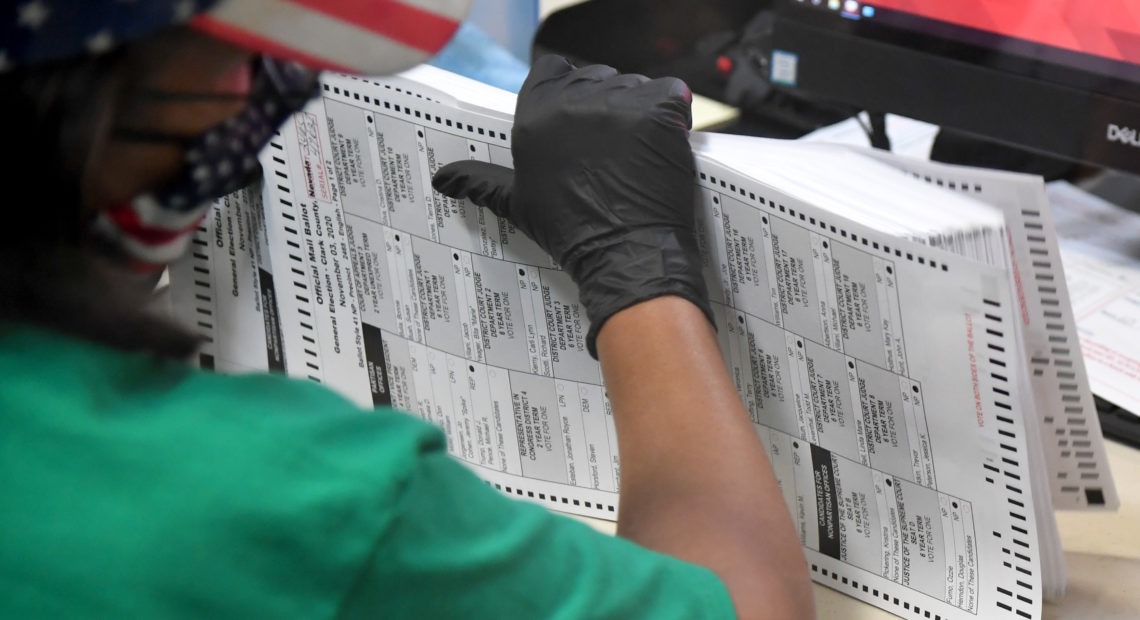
[[1056, 77]]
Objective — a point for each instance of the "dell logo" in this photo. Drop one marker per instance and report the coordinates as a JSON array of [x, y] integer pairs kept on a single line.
[[1123, 135]]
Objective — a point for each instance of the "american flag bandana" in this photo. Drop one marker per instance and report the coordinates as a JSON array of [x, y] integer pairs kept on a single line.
[[154, 229], [365, 37]]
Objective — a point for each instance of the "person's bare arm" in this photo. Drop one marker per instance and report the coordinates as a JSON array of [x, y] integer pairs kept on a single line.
[[695, 480], [603, 180]]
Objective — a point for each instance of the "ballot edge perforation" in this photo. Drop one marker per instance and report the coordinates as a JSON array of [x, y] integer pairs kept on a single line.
[[292, 237], [376, 82], [558, 501], [1073, 427], [1071, 432], [1010, 464], [392, 106], [886, 595], [903, 607], [203, 290]]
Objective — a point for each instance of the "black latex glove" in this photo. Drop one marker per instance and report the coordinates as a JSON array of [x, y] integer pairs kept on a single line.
[[602, 180]]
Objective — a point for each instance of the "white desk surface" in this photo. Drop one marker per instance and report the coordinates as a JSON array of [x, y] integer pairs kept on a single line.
[[1102, 550]]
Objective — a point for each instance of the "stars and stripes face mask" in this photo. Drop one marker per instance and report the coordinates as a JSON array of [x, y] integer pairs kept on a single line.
[[154, 229]]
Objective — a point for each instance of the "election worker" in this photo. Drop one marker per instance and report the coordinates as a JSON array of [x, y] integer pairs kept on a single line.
[[134, 485]]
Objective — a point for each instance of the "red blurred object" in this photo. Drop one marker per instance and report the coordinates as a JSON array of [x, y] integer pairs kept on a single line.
[[724, 65]]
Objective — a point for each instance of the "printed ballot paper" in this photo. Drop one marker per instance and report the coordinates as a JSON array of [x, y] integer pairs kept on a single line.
[[900, 332]]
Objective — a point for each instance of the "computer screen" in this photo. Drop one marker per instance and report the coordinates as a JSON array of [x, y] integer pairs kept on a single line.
[[1061, 77]]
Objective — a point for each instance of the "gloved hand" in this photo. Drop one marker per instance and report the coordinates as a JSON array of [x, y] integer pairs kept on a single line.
[[602, 180]]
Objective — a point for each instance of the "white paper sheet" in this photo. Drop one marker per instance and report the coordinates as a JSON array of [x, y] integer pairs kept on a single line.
[[909, 137], [1100, 245]]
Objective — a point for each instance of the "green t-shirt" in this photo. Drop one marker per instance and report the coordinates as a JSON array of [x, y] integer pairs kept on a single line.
[[134, 488]]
